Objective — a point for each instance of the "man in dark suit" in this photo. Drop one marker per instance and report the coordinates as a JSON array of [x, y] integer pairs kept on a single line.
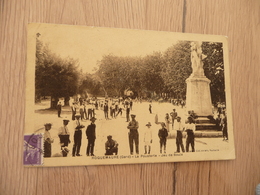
[[91, 136], [133, 134], [106, 111]]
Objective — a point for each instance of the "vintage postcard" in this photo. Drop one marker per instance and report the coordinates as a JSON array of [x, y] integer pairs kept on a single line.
[[101, 96]]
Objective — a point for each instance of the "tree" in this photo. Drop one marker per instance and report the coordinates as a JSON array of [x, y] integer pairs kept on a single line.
[[162, 73], [151, 76], [118, 74], [177, 68], [214, 69], [90, 84], [54, 76]]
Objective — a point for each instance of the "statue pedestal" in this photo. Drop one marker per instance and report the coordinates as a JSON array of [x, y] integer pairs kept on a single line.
[[198, 96]]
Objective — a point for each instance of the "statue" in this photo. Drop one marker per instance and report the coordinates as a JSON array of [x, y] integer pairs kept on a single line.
[[198, 97], [196, 59]]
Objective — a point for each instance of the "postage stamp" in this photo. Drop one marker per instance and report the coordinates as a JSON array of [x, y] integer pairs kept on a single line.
[[33, 152]]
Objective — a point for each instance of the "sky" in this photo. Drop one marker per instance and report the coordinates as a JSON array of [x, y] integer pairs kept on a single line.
[[89, 44]]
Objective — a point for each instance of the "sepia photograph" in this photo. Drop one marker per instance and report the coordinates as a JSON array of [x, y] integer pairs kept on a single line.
[[101, 96]]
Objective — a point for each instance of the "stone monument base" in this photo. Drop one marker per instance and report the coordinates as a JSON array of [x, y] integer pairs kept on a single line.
[[198, 96]]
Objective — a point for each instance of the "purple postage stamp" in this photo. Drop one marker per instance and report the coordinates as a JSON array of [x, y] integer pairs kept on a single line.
[[33, 149]]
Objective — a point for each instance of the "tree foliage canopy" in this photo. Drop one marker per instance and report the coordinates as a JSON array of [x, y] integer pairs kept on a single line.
[[54, 76], [157, 73], [163, 73]]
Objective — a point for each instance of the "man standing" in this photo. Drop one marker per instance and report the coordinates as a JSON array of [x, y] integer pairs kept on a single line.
[[59, 108], [224, 126], [173, 114], [77, 137], [106, 110], [81, 111], [131, 104], [90, 111], [111, 146], [190, 128], [150, 108], [163, 134], [133, 134], [74, 110], [47, 140], [64, 136], [91, 136], [178, 127], [112, 110], [218, 123], [85, 110], [127, 112]]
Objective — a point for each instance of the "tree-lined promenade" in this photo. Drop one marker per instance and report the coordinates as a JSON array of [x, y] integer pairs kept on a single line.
[[154, 76]]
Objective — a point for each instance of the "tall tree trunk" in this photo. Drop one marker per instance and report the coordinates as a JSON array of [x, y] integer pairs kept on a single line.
[[54, 101]]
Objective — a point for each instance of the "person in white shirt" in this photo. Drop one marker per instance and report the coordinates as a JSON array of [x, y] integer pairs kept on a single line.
[[190, 128], [77, 136], [47, 140], [64, 135], [179, 128], [148, 138]]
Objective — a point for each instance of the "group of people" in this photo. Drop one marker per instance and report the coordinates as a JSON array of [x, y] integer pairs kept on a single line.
[[86, 107], [169, 119], [111, 146], [179, 128], [178, 102], [117, 107], [189, 128]]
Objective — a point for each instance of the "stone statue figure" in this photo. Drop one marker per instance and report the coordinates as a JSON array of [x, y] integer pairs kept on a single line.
[[196, 59]]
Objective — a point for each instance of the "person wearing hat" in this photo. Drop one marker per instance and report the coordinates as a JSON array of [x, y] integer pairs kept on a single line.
[[190, 128], [111, 146], [133, 134], [47, 140], [163, 134], [77, 136], [64, 136], [91, 136], [148, 138], [179, 128]]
